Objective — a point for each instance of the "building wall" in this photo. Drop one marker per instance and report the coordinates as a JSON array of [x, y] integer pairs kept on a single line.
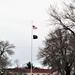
[[37, 74], [31, 74], [19, 71]]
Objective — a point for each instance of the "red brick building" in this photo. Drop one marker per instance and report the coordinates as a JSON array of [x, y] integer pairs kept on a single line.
[[20, 71]]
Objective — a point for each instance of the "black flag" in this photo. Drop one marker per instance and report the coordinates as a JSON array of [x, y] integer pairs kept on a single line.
[[35, 37]]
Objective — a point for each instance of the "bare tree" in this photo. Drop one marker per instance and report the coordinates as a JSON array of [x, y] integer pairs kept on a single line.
[[29, 65], [58, 51], [5, 49], [17, 63], [65, 18]]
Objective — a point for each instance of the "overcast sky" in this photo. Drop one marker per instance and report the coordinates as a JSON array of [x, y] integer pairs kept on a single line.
[[15, 26]]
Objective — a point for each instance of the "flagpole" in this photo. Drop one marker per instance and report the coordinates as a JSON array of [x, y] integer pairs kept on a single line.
[[31, 44], [32, 37]]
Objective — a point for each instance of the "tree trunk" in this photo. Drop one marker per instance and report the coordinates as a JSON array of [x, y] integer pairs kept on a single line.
[[68, 70]]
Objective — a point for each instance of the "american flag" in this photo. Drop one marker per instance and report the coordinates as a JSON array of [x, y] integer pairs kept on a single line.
[[34, 27]]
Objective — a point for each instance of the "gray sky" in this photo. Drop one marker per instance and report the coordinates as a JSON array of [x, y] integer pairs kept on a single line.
[[15, 26]]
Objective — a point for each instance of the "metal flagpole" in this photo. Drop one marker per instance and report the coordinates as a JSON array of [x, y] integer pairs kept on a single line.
[[31, 44], [32, 37]]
